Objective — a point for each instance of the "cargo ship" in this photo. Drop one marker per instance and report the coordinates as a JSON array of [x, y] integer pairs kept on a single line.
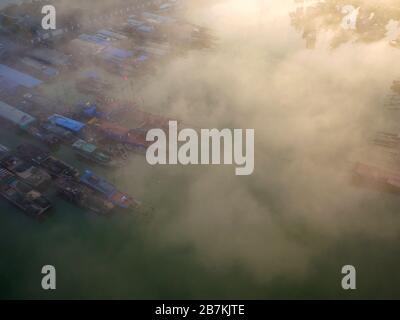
[[92, 153], [55, 167], [24, 170], [32, 202], [83, 196], [107, 189]]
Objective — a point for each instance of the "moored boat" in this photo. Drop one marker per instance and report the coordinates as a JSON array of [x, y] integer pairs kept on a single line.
[[31, 201]]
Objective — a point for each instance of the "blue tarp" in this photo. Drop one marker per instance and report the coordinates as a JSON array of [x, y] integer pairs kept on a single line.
[[15, 77], [89, 109], [98, 183], [67, 123]]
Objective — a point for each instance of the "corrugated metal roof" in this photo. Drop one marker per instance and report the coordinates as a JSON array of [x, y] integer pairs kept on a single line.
[[14, 115]]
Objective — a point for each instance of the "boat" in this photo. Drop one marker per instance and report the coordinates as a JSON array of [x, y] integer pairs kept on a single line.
[[111, 193], [55, 167], [29, 200], [26, 171], [146, 120], [92, 153], [83, 196], [61, 133], [15, 116], [44, 136], [133, 138], [3, 150], [66, 123]]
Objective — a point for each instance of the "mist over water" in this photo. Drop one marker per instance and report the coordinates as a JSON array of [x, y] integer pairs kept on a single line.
[[311, 109], [284, 232]]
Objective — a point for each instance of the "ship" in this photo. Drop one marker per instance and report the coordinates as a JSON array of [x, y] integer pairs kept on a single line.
[[55, 167], [24, 170], [29, 200], [146, 120], [61, 133], [3, 150], [44, 136], [133, 138], [114, 108], [92, 153], [72, 125], [108, 190], [83, 196], [15, 116], [27, 123]]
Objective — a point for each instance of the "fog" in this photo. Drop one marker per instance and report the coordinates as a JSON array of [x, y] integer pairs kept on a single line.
[[311, 110]]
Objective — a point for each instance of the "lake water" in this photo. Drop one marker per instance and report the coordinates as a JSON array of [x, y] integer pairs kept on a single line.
[[284, 232]]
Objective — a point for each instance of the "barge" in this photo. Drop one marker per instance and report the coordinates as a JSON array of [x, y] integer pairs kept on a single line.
[[133, 138], [83, 196], [24, 170], [15, 116], [32, 202], [55, 167], [44, 136], [92, 153], [107, 189], [61, 133]]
